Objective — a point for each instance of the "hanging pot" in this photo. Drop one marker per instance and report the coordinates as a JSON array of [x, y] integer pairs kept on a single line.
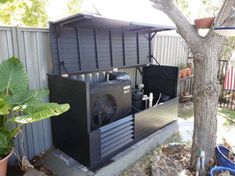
[[204, 23], [3, 164]]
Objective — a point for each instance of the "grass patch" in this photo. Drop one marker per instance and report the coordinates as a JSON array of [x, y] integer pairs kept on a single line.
[[229, 115]]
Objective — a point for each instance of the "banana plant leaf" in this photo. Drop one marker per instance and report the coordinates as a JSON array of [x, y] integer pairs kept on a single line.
[[36, 112], [27, 96], [13, 76]]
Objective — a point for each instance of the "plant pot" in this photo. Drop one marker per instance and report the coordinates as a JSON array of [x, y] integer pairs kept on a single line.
[[180, 74], [189, 72], [3, 164], [184, 73], [204, 23], [221, 153], [218, 169]]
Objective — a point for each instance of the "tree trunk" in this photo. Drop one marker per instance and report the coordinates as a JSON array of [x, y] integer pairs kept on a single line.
[[206, 52], [206, 94]]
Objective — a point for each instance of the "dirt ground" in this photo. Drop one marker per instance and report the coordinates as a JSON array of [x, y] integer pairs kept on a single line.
[[154, 163]]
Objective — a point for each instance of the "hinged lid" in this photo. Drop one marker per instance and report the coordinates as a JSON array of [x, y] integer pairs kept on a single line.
[[88, 43]]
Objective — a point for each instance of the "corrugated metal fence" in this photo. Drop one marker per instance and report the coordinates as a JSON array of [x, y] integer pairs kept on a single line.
[[170, 50], [32, 46]]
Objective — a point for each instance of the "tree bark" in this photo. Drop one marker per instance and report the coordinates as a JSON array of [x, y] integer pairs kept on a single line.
[[206, 52], [206, 94]]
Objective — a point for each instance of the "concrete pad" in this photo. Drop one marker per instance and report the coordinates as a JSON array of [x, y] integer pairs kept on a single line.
[[63, 165]]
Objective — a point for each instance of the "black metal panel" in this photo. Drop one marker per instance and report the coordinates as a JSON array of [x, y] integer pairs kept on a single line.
[[103, 48], [143, 49], [112, 142], [75, 42], [150, 120], [87, 49], [54, 49], [160, 79], [130, 49], [68, 51], [70, 130], [117, 49], [108, 143]]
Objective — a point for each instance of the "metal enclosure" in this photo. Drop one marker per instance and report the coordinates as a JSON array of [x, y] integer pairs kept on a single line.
[[84, 44]]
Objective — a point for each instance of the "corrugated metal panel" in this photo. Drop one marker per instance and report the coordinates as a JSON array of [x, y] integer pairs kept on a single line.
[[169, 50], [32, 46]]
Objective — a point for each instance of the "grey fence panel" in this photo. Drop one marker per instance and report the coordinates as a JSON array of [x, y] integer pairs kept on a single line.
[[170, 50], [32, 46]]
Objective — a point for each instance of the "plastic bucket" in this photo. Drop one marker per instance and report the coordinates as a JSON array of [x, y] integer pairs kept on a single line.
[[221, 154], [218, 169]]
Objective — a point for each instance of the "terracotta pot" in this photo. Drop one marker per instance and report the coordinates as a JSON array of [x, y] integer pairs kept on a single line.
[[180, 74], [189, 72], [204, 23], [3, 164], [184, 73]]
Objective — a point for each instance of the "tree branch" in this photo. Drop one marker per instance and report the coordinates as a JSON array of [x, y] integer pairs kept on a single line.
[[224, 12], [223, 18], [184, 28]]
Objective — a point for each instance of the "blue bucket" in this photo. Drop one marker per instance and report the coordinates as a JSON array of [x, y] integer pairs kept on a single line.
[[221, 154], [218, 169]]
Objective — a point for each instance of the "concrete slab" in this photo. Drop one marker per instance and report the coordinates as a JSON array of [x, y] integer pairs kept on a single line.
[[63, 165]]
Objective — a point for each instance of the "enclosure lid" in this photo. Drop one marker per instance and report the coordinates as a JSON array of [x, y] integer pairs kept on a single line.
[[88, 43], [95, 21]]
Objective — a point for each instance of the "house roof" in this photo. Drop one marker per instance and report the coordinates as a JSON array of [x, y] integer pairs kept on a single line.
[[94, 21]]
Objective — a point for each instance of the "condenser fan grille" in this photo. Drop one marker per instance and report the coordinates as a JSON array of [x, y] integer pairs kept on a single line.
[[104, 111]]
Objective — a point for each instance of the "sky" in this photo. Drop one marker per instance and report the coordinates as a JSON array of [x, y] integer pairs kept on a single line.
[[137, 10], [129, 10]]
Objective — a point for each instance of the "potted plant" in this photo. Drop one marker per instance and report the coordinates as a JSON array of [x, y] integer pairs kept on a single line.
[[183, 70], [19, 105], [204, 23], [189, 72]]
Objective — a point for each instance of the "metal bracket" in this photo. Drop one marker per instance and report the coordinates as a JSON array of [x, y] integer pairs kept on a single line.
[[153, 35]]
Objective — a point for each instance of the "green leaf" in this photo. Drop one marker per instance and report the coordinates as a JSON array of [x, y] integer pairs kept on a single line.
[[36, 112], [28, 96], [42, 93], [22, 97], [13, 76], [4, 1], [14, 132], [4, 107], [3, 140], [6, 142]]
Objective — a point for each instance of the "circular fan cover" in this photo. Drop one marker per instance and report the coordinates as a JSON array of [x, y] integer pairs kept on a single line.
[[104, 111]]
